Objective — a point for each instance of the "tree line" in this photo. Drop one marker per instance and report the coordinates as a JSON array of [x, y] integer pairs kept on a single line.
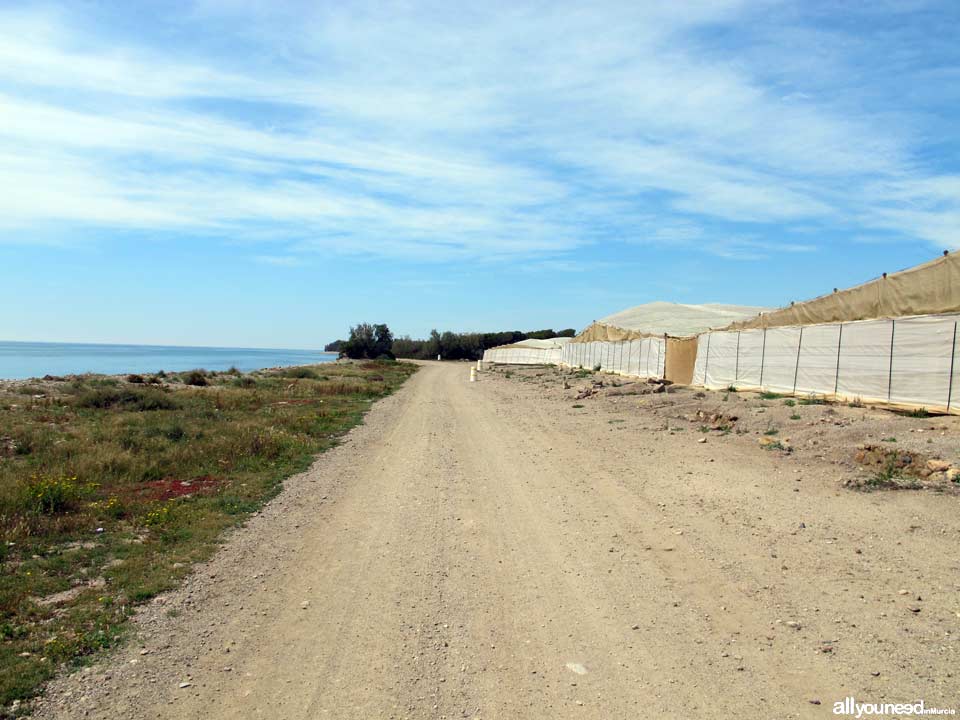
[[371, 341]]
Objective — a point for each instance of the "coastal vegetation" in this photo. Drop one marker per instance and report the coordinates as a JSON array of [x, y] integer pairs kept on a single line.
[[111, 487], [448, 345]]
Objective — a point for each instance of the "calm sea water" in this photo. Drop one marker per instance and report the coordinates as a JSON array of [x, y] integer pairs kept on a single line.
[[29, 359]]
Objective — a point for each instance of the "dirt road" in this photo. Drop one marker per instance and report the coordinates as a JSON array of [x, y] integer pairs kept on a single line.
[[479, 551]]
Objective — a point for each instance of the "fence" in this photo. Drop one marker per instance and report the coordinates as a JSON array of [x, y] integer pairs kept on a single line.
[[908, 361], [641, 358], [523, 356]]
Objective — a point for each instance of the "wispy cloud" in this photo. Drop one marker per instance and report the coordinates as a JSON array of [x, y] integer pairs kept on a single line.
[[439, 132]]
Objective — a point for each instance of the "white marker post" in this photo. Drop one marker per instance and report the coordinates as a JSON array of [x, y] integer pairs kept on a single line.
[[473, 374], [438, 357], [479, 364]]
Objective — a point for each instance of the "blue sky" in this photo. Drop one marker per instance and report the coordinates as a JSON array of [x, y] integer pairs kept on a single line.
[[238, 172]]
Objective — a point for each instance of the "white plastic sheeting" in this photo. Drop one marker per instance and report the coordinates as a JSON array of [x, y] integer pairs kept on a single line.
[[523, 355], [910, 361], [640, 358]]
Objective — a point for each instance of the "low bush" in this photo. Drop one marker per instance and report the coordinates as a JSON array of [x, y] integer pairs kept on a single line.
[[127, 399], [197, 378], [303, 373]]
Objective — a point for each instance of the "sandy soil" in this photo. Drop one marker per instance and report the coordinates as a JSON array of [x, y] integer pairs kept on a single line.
[[486, 550]]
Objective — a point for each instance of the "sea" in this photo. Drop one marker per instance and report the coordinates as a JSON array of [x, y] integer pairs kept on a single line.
[[20, 360]]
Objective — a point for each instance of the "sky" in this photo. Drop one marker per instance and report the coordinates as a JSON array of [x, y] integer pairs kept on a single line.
[[265, 174]]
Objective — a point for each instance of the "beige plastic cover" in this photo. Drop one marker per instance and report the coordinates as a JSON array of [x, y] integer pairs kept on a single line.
[[929, 289]]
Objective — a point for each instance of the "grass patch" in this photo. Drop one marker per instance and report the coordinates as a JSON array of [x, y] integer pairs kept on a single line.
[[789, 402], [795, 416], [770, 396], [577, 407], [132, 484]]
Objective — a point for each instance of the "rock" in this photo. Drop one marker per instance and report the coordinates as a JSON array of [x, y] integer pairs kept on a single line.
[[702, 440], [184, 685], [938, 465], [792, 624], [953, 474]]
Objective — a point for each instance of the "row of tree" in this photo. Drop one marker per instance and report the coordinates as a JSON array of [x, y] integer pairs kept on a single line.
[[376, 341]]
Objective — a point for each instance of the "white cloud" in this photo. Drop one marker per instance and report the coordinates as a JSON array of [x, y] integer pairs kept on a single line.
[[443, 131]]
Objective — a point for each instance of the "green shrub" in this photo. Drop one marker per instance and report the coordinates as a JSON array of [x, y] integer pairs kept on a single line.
[[127, 399], [303, 373], [244, 381], [197, 378], [135, 379]]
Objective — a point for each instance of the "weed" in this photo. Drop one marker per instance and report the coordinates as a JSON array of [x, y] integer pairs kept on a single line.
[[771, 431], [731, 388], [889, 439], [766, 395], [596, 368], [577, 407], [919, 413], [887, 476], [789, 402], [812, 400], [48, 495], [795, 416]]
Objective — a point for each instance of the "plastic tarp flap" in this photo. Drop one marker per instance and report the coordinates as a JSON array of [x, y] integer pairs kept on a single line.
[[923, 351], [720, 360], [864, 367], [817, 368]]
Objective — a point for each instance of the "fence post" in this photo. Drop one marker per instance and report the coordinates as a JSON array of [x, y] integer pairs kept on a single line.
[[763, 355], [836, 384], [736, 368], [893, 329], [706, 360], [953, 356], [796, 369]]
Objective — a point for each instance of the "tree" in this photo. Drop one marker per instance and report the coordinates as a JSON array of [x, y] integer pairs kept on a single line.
[[368, 341]]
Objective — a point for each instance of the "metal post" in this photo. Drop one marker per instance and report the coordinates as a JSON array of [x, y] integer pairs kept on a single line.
[[763, 355], [796, 369], [736, 369], [953, 355], [836, 384], [893, 329], [706, 360]]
